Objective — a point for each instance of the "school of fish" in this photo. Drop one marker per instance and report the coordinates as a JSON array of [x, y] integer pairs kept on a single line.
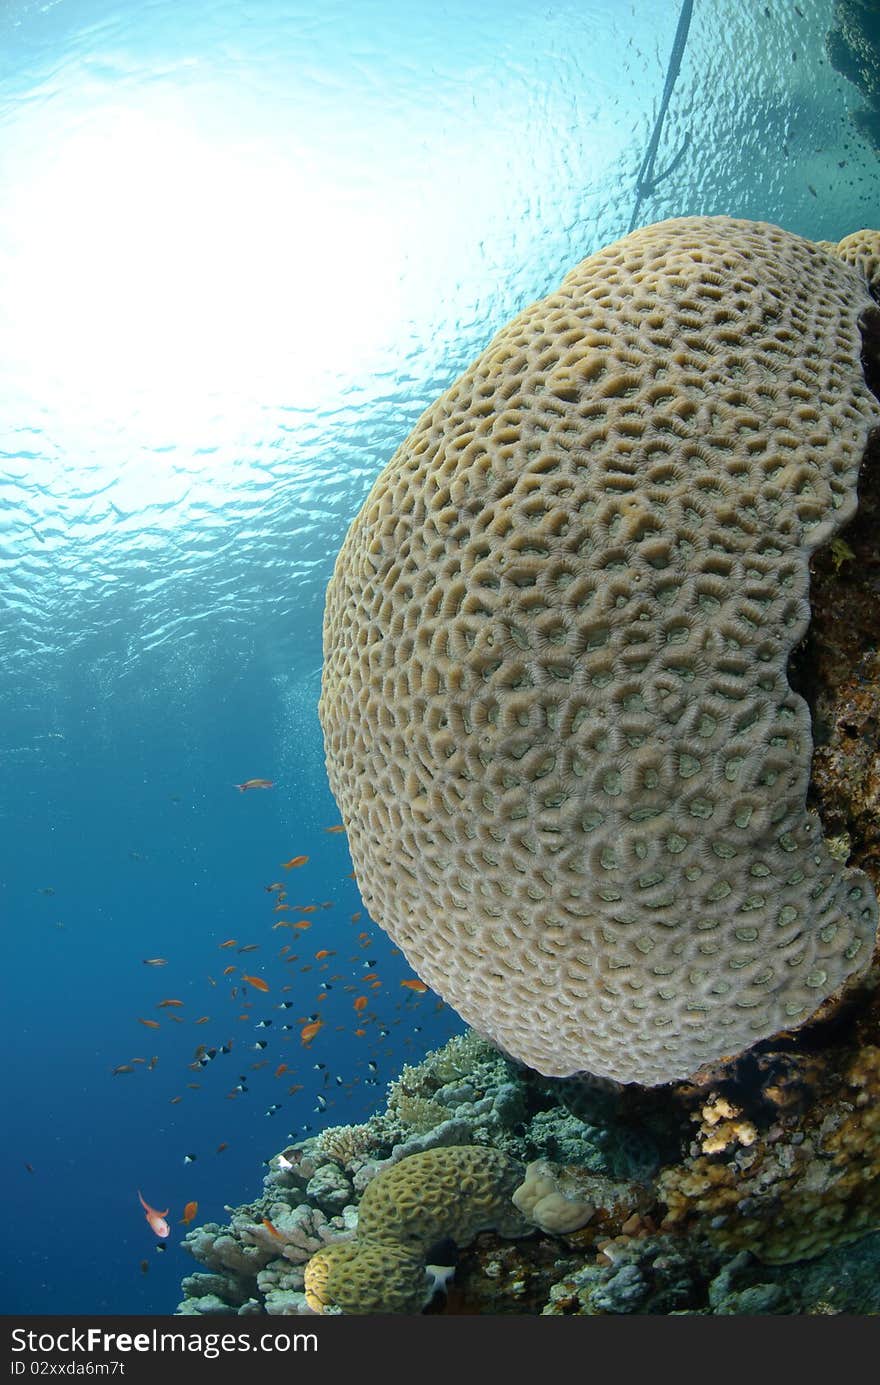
[[244, 990]]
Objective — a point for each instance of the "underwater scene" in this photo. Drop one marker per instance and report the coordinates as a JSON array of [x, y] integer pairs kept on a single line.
[[440, 727]]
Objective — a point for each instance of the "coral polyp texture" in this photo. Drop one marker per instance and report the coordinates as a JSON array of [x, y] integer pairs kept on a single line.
[[755, 1190], [428, 1197], [362, 1277], [440, 1194], [555, 702]]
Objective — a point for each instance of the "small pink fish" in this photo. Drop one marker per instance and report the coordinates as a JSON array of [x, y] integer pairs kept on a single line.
[[156, 1220]]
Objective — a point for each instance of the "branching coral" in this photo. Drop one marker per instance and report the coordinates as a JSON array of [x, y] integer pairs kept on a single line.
[[346, 1143]]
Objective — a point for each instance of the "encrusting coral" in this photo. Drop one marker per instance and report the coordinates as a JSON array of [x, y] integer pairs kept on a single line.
[[782, 1200], [556, 706]]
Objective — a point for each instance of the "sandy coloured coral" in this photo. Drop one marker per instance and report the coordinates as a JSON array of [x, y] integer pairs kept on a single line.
[[542, 1199], [464, 1055], [346, 1143], [722, 1124], [442, 1193], [788, 1199], [555, 701], [365, 1277], [419, 1113]]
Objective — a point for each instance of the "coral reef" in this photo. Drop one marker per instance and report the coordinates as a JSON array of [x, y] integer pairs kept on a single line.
[[255, 1261], [559, 1198], [765, 1201], [837, 668], [555, 700], [751, 1188], [346, 1143], [785, 1200], [438, 1195]]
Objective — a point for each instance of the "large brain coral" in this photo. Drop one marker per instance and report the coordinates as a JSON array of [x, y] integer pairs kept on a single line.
[[555, 701]]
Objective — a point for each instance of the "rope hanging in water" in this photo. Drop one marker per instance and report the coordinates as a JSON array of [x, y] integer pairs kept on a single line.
[[647, 180]]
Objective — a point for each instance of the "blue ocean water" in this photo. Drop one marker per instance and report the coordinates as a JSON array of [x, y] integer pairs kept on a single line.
[[241, 249]]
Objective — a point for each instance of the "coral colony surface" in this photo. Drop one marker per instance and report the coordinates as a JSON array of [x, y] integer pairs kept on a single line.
[[601, 707]]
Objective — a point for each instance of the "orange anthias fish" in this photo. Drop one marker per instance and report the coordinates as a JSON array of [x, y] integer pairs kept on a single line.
[[189, 1212], [308, 1031], [360, 1003], [337, 827], [254, 784], [156, 1220], [162, 1004], [272, 1229], [151, 1024], [294, 861], [230, 942], [415, 985], [255, 981]]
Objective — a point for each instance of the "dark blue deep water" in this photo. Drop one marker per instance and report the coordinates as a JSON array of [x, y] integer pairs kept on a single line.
[[241, 249]]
